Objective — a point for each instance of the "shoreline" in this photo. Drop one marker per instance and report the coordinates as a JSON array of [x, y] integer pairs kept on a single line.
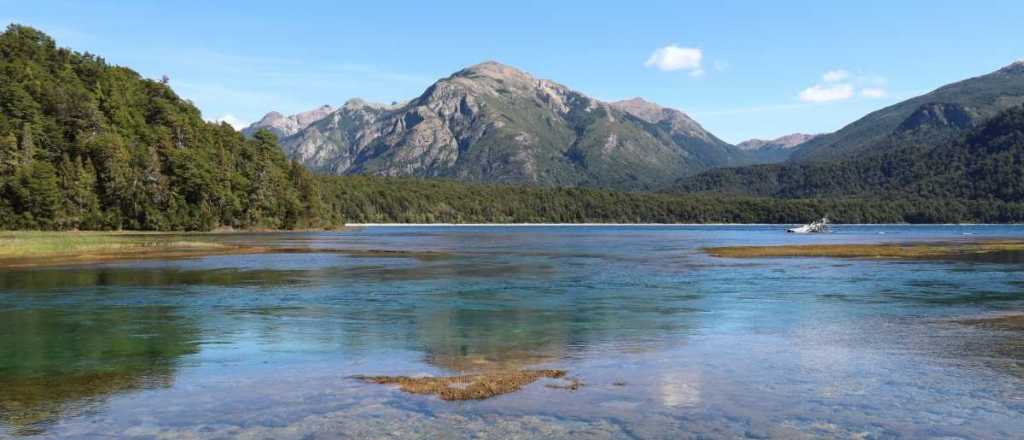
[[21, 249], [367, 225]]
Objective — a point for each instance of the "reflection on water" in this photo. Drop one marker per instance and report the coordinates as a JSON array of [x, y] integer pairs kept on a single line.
[[76, 277], [55, 362], [668, 342], [681, 388], [467, 341]]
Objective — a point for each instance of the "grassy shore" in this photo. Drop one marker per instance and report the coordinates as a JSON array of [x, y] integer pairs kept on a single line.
[[881, 250], [31, 248], [30, 244]]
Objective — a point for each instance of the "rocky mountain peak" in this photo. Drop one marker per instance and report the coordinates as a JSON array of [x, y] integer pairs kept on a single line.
[[271, 116], [490, 77], [355, 103], [282, 125], [655, 114], [784, 142], [644, 109], [308, 117], [493, 69], [1015, 68], [792, 140], [358, 103]]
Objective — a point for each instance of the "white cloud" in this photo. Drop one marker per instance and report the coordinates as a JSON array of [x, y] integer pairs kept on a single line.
[[820, 93], [231, 120], [675, 58], [874, 92], [835, 75], [840, 85]]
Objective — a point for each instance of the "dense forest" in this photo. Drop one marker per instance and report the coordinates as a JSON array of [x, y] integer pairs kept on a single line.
[[88, 145], [369, 199]]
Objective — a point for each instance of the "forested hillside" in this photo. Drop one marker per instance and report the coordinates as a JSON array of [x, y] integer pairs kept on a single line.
[[986, 164], [88, 145], [934, 117]]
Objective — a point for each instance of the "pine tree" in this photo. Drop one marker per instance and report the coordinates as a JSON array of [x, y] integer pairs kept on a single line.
[[41, 195], [78, 185], [10, 158]]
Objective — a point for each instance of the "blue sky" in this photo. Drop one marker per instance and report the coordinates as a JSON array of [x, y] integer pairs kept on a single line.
[[742, 69]]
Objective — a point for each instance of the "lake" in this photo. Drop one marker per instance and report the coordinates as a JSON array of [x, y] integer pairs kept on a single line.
[[658, 339]]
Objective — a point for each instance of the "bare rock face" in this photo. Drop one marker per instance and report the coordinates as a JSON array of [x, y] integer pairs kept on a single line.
[[775, 150], [784, 142], [938, 116], [679, 122], [283, 126], [494, 123]]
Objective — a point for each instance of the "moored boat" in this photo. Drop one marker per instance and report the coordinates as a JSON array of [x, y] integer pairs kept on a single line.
[[811, 228]]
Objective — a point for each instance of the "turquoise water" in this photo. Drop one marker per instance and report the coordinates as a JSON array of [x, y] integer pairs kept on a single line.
[[667, 341]]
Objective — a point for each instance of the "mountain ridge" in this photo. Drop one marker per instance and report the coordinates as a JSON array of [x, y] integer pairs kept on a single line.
[[788, 141], [282, 126], [491, 122], [935, 116], [985, 163]]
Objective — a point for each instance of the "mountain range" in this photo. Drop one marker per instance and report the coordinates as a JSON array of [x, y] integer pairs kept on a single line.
[[494, 123], [962, 140], [937, 116]]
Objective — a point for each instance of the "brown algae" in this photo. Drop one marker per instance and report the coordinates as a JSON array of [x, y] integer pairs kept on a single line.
[[1013, 322], [466, 387], [937, 250]]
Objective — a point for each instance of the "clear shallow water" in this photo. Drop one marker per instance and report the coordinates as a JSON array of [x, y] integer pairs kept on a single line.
[[669, 343]]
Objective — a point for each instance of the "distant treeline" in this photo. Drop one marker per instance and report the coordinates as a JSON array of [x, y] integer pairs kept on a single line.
[[366, 199]]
